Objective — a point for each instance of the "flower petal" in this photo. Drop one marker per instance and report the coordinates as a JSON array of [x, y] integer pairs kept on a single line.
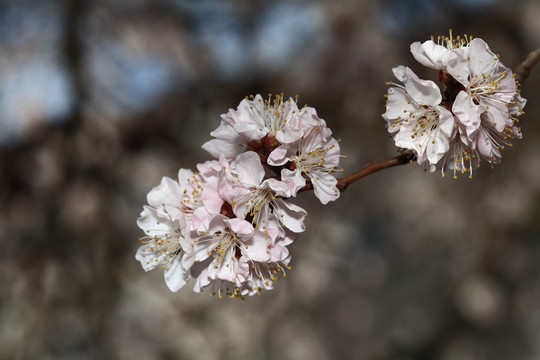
[[429, 54], [290, 215], [249, 169], [175, 276]]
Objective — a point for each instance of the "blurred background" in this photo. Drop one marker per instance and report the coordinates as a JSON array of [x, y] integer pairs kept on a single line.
[[100, 99]]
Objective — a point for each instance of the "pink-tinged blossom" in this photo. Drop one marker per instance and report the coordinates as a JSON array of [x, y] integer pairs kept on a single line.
[[214, 174], [480, 96], [489, 102], [164, 244], [254, 276], [234, 259], [226, 240], [268, 120], [416, 118], [228, 226], [220, 244], [488, 86], [315, 155], [261, 200]]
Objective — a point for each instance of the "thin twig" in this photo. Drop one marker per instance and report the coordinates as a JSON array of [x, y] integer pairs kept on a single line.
[[523, 69], [369, 168], [372, 167]]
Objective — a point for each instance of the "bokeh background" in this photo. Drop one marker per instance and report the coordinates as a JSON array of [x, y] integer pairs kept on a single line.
[[100, 99]]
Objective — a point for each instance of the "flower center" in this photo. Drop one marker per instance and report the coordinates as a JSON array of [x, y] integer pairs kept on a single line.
[[191, 195], [225, 241], [427, 121], [165, 248], [255, 201], [311, 160], [485, 85], [273, 113]]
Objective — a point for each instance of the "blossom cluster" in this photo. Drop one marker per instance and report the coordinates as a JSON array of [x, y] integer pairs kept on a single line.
[[472, 119], [228, 225]]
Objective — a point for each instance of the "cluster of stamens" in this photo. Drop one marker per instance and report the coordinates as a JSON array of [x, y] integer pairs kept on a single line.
[[165, 248], [451, 42], [273, 112]]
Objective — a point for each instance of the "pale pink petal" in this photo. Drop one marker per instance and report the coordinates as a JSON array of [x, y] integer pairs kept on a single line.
[[168, 192], [482, 59], [280, 188], [458, 67], [293, 179], [240, 226], [249, 169], [211, 200], [424, 92], [439, 140], [398, 105], [467, 112], [288, 135], [324, 186], [278, 156], [256, 246], [227, 142], [251, 131], [154, 222], [292, 216], [429, 54], [175, 276]]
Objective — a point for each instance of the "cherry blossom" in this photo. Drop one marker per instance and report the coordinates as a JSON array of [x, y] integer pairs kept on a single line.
[[228, 226], [315, 155], [164, 243], [475, 116], [415, 117], [259, 122], [262, 200]]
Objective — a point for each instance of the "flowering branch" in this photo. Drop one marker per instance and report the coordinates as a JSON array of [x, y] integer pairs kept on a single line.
[[228, 226], [522, 72]]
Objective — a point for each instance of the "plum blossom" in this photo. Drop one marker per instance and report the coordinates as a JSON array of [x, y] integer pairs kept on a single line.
[[488, 96], [224, 241], [164, 243], [228, 226], [476, 113], [315, 155], [261, 199], [258, 123], [415, 117]]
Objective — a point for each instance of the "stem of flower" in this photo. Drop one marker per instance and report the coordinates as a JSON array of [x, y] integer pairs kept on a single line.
[[369, 168]]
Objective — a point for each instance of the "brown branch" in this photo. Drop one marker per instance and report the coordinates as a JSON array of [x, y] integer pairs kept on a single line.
[[372, 167], [523, 69], [369, 168]]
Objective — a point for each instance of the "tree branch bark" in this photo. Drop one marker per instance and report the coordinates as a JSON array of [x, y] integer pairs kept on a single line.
[[522, 70]]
